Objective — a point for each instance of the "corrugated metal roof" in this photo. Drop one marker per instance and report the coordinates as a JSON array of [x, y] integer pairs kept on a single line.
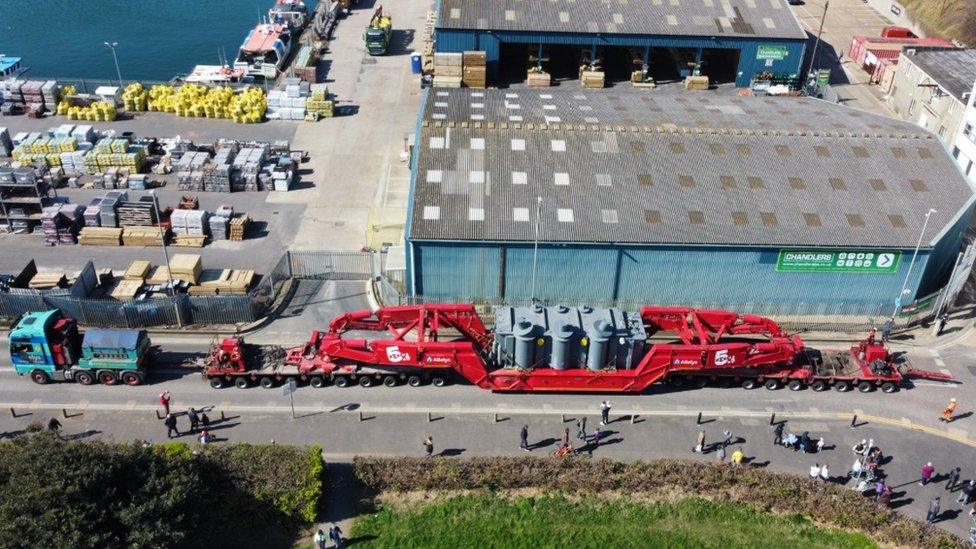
[[724, 18], [954, 70], [676, 169]]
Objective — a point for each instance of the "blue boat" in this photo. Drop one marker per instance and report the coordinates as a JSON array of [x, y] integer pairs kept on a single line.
[[8, 65]]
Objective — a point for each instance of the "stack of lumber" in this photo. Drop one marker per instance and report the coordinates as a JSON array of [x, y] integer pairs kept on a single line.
[[100, 236], [448, 70], [536, 79], [46, 281], [696, 83], [238, 226], [189, 240], [473, 73], [141, 236], [226, 281], [158, 276], [136, 214], [137, 270], [593, 79], [127, 289], [187, 267]]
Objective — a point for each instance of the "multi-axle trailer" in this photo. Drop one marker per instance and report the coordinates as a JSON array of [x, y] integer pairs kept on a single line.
[[558, 349]]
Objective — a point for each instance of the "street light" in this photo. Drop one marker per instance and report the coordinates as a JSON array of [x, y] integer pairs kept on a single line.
[[169, 273], [112, 46], [535, 249], [816, 45], [904, 287]]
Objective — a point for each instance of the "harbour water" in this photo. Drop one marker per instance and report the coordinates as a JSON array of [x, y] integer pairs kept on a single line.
[[156, 40]]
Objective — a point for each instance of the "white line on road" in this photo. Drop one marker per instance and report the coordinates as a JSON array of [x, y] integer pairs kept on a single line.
[[938, 359]]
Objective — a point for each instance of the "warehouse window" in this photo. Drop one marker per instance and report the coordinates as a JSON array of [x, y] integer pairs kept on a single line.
[[837, 184], [783, 150], [755, 182], [728, 182], [437, 142], [797, 184], [855, 220], [822, 152], [518, 144], [565, 215], [553, 120], [637, 147], [548, 107], [652, 216], [435, 176], [477, 117], [432, 212], [768, 219], [476, 177], [645, 180], [603, 180], [918, 185], [558, 145], [897, 221], [512, 106], [898, 152], [812, 220], [561, 178], [478, 143], [477, 105], [676, 148], [717, 149], [609, 216], [476, 214], [686, 181], [860, 152], [743, 149], [925, 153], [591, 120], [598, 146], [520, 214], [878, 185], [520, 178], [514, 118], [696, 217], [740, 218]]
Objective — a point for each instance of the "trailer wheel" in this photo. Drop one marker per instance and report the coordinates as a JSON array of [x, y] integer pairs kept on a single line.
[[131, 378], [677, 381], [414, 381], [242, 383], [106, 377], [749, 384], [772, 384], [842, 386], [84, 377], [818, 385], [267, 382], [341, 381], [317, 381], [217, 383], [365, 381], [865, 386], [701, 382], [888, 387], [39, 377], [390, 381], [438, 381], [795, 385]]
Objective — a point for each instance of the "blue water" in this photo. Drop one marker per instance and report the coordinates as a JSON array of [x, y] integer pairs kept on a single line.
[[157, 40]]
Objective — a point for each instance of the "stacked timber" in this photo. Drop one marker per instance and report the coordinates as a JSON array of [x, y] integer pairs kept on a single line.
[[186, 267], [126, 289], [100, 236], [238, 226], [142, 236], [158, 276], [448, 70], [226, 281], [473, 71], [188, 241], [593, 79], [538, 79], [696, 83], [47, 281], [137, 270]]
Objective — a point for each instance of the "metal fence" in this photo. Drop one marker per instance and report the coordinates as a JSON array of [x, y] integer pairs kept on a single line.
[[332, 265]]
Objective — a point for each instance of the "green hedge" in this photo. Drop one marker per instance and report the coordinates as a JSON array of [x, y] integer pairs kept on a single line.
[[769, 491], [94, 494]]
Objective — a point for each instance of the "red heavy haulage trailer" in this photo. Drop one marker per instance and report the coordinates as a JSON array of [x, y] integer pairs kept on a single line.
[[433, 343]]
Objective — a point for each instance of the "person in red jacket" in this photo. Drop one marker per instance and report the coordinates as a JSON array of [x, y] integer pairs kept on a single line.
[[164, 398], [927, 471]]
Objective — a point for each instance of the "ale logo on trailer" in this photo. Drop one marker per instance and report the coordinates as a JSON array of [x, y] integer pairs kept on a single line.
[[837, 261], [393, 354]]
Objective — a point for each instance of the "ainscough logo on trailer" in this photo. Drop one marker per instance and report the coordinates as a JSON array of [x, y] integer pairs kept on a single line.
[[838, 261]]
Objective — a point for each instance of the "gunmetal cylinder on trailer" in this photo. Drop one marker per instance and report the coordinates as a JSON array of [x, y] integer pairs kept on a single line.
[[600, 335], [562, 338], [524, 343]]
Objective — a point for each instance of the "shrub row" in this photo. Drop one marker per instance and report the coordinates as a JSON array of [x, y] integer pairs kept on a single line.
[[766, 490]]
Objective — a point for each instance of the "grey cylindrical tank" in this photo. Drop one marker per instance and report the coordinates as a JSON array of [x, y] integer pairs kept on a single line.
[[562, 338], [599, 335], [524, 343]]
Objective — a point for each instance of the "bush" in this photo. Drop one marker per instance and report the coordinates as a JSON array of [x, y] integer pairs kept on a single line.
[[769, 491]]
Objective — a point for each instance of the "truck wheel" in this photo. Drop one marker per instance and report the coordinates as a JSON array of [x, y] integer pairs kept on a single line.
[[842, 386], [106, 377], [390, 381], [749, 384], [438, 381], [888, 387], [795, 385], [39, 377], [84, 377], [701, 382], [341, 381], [131, 378], [865, 386], [267, 383], [818, 385], [242, 383], [317, 381], [771, 384], [414, 381], [365, 381], [217, 383]]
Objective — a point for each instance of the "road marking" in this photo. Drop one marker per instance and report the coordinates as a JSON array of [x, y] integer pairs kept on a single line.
[[938, 359]]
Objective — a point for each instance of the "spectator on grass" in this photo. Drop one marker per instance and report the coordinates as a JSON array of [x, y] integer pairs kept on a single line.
[[815, 471], [737, 457], [824, 473], [429, 446], [884, 499], [720, 453], [700, 446]]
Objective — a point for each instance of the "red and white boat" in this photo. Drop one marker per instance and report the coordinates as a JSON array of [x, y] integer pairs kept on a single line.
[[264, 50]]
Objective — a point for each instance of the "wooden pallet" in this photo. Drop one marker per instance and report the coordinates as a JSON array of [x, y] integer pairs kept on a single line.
[[186, 267], [158, 276], [126, 289], [46, 281], [137, 270], [238, 226], [141, 236], [100, 236], [225, 281], [189, 240]]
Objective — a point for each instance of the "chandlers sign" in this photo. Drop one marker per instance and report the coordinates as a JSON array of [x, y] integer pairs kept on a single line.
[[838, 261]]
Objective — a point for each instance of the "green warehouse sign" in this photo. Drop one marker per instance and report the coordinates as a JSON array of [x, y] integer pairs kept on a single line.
[[838, 261], [772, 52]]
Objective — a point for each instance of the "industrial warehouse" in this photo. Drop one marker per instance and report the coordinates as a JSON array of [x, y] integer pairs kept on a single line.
[[791, 206], [729, 40]]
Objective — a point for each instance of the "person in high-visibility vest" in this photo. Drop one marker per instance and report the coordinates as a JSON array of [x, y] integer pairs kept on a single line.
[[947, 413]]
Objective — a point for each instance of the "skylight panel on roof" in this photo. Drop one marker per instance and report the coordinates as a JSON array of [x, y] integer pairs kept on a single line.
[[561, 178], [618, 19], [769, 23], [598, 146], [476, 214], [563, 17], [740, 218], [558, 145], [603, 180], [812, 220], [437, 142], [440, 104], [609, 216], [510, 15], [438, 116], [477, 117], [520, 178], [564, 215], [478, 143], [512, 106], [435, 176], [652, 216], [545, 96], [696, 217], [854, 220], [514, 118], [878, 185], [432, 212], [455, 13], [477, 105], [476, 177], [553, 119], [518, 144], [548, 107], [591, 120], [672, 20], [511, 96], [768, 219]]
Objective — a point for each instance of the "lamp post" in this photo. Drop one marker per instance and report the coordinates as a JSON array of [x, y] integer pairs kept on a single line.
[[911, 265], [535, 247], [118, 72], [169, 273], [816, 45]]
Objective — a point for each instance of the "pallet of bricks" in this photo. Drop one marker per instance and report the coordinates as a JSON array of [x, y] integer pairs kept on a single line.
[[474, 69], [60, 223], [247, 170], [189, 227], [216, 173], [189, 170], [13, 96], [138, 221], [448, 70]]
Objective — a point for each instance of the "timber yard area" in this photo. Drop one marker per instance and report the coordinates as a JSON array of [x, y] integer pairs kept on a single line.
[[501, 261]]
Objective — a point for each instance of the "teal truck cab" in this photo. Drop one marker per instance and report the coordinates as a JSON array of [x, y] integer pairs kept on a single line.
[[48, 347]]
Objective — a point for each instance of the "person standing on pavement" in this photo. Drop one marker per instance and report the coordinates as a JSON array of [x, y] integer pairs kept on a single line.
[[700, 446], [170, 423], [737, 457], [927, 471], [581, 428], [335, 534], [815, 471], [884, 499], [934, 508], [319, 539], [54, 426], [720, 453], [953, 479], [205, 421], [943, 320], [429, 446], [966, 494], [805, 441], [947, 412], [191, 414], [605, 412], [824, 473], [524, 438], [778, 434], [566, 437], [889, 325], [164, 399], [728, 437]]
